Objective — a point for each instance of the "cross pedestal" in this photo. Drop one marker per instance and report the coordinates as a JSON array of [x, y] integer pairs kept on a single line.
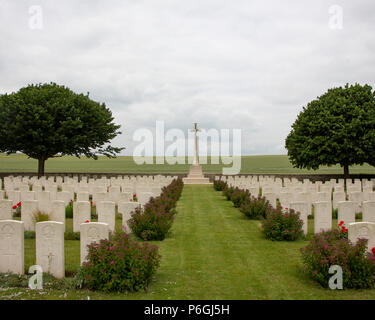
[[195, 175]]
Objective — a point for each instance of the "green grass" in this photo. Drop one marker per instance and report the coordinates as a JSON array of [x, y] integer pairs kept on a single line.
[[213, 252], [270, 164]]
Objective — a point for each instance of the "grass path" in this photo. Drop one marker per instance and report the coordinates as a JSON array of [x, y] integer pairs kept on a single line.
[[223, 255], [214, 252]]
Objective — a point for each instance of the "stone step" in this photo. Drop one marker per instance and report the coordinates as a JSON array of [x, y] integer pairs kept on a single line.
[[194, 176], [196, 181]]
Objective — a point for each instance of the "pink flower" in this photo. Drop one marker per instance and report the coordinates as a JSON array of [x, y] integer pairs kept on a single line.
[[112, 263], [112, 248], [286, 231]]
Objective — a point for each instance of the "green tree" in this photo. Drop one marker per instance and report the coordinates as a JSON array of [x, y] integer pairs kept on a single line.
[[336, 128], [48, 120]]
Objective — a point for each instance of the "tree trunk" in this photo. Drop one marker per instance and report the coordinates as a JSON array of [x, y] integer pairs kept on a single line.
[[346, 174], [41, 162]]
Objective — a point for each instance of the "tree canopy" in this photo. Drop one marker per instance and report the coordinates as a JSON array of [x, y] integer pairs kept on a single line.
[[336, 128], [48, 120]]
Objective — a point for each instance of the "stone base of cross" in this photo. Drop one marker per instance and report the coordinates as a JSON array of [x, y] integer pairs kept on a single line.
[[196, 174]]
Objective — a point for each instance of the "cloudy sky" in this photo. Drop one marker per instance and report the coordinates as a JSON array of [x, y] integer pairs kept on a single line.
[[249, 65]]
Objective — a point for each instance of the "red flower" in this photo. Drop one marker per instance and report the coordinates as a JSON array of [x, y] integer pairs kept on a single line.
[[373, 250], [14, 207], [87, 221], [341, 223], [19, 204]]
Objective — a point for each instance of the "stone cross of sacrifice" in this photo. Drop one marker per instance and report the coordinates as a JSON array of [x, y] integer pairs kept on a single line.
[[195, 130]]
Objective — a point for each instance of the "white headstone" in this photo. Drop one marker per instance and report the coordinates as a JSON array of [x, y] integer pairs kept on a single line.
[[337, 196], [362, 230], [83, 196], [368, 211], [127, 207], [356, 196], [303, 209], [57, 212], [49, 238], [65, 196], [127, 196], [91, 232], [11, 246], [27, 195], [6, 209], [107, 213], [81, 213], [322, 216], [144, 197], [29, 209], [99, 196], [271, 198], [285, 198], [15, 196], [322, 197], [346, 211]]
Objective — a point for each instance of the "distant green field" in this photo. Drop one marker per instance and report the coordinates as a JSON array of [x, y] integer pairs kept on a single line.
[[125, 164]]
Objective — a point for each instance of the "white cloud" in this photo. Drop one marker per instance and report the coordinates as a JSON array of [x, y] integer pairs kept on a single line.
[[250, 65]]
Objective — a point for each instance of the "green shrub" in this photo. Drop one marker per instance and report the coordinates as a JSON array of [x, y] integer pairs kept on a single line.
[[151, 224], [17, 210], [219, 185], [239, 196], [69, 210], [227, 192], [94, 215], [156, 218], [335, 213], [39, 216], [330, 248], [70, 235], [29, 234], [255, 208], [280, 225], [119, 265]]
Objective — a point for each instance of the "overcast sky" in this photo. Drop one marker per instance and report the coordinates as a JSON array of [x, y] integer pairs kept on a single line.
[[249, 65]]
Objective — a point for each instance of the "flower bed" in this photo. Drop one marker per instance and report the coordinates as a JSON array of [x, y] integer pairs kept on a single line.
[[154, 221]]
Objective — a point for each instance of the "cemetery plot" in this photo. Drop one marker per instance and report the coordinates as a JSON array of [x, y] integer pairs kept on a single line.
[[209, 232]]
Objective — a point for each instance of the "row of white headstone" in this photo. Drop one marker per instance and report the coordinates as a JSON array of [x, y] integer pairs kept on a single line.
[[73, 185], [45, 197], [323, 203], [270, 181], [323, 213], [50, 234], [49, 239], [106, 211]]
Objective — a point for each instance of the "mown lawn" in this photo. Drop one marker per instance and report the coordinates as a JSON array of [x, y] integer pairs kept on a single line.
[[269, 164], [213, 252]]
